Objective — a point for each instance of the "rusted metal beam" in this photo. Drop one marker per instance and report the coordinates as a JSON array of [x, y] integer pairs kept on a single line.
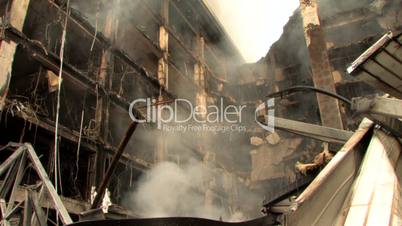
[[105, 182], [322, 72]]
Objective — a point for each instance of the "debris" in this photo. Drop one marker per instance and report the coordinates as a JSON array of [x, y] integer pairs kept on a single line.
[[256, 141], [21, 155], [53, 81], [273, 138], [319, 160], [106, 202], [93, 194]]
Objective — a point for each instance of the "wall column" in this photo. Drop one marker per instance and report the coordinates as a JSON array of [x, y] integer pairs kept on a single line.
[[163, 76], [103, 105], [199, 75], [320, 65], [17, 12]]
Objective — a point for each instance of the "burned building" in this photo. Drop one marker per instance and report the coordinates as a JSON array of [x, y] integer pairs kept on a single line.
[[89, 90], [109, 54], [347, 29]]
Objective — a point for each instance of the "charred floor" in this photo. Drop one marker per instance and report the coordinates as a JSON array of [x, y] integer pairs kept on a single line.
[[96, 99]]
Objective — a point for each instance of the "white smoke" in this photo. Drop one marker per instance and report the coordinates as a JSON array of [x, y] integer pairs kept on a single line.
[[170, 190]]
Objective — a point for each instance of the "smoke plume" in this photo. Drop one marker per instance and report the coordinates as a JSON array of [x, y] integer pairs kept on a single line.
[[171, 190]]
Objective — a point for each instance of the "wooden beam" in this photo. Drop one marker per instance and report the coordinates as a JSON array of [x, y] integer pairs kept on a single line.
[[322, 72], [18, 12]]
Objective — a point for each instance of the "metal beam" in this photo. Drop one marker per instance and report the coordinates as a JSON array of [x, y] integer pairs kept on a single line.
[[326, 134], [378, 105], [27, 210], [4, 166], [17, 180], [3, 211], [39, 213], [387, 112], [37, 165], [73, 206]]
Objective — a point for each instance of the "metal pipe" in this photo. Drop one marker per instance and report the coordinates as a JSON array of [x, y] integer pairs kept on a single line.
[[294, 89], [105, 182]]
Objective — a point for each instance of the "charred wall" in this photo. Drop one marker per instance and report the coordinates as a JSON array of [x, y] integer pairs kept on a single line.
[[133, 51]]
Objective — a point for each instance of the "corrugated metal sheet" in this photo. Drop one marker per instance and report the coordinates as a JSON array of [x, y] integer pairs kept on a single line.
[[381, 65]]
